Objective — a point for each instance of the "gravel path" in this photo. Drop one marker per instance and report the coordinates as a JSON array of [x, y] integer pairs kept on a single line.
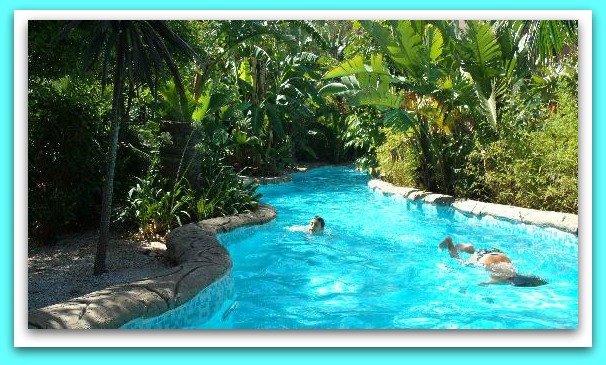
[[65, 271]]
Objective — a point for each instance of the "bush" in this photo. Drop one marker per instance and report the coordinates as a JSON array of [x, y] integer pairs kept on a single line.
[[156, 205], [536, 169], [398, 163], [363, 135], [156, 209], [223, 192], [65, 155]]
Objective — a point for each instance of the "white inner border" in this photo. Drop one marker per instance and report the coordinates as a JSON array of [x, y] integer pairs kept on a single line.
[[582, 337]]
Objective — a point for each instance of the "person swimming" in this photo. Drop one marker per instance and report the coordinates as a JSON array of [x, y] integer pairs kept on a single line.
[[493, 260], [316, 225]]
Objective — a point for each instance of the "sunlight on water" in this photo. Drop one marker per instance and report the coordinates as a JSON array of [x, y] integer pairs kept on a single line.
[[378, 266]]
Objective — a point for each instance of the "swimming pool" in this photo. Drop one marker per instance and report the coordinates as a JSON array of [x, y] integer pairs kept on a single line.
[[378, 266]]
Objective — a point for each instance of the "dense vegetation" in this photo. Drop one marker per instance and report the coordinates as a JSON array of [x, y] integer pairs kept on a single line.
[[148, 124], [478, 109]]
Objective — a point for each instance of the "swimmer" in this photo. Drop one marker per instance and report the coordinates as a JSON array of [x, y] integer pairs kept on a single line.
[[316, 225], [493, 260]]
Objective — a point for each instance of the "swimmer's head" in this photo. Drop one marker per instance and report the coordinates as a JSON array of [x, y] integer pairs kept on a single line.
[[316, 225]]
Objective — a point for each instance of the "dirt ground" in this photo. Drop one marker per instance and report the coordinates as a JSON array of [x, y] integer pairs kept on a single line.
[[64, 271]]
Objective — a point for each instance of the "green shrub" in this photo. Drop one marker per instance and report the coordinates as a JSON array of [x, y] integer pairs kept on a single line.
[[223, 192], [364, 134], [157, 207], [66, 134], [398, 162], [536, 169]]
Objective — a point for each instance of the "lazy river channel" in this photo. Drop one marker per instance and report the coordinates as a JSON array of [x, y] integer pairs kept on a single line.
[[377, 266]]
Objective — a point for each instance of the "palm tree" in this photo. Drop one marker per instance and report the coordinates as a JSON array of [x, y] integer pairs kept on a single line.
[[138, 49]]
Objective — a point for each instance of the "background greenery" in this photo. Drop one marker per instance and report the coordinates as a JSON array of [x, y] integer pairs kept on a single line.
[[482, 109], [274, 356]]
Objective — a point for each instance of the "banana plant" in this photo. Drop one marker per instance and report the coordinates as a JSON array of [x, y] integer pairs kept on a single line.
[[473, 65], [420, 99], [446, 74], [280, 96], [417, 49], [190, 110], [481, 57], [363, 83]]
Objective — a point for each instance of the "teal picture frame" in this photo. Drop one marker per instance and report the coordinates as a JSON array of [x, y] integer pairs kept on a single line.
[[431, 353]]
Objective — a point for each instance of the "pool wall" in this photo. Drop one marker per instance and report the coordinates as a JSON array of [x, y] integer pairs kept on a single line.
[[563, 221], [200, 260]]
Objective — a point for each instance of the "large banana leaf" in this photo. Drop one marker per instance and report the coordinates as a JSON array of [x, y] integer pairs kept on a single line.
[[481, 54], [202, 103], [362, 84], [434, 43], [400, 120], [374, 97], [336, 88], [410, 50], [382, 35], [489, 104], [404, 48], [350, 89], [357, 65]]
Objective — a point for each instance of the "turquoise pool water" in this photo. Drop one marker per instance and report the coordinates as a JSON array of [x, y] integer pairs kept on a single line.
[[378, 266]]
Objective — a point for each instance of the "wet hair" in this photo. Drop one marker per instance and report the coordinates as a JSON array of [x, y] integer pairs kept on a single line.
[[526, 281], [321, 220]]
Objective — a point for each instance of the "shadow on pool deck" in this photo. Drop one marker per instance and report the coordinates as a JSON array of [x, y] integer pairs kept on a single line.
[[199, 261]]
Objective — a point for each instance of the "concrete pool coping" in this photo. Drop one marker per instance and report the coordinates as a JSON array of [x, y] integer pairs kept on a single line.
[[563, 221], [200, 260]]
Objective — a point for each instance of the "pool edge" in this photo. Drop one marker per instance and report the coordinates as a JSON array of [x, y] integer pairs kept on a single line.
[[199, 261], [566, 222]]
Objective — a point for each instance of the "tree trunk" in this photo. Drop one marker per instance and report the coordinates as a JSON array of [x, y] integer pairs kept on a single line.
[[108, 188], [426, 156]]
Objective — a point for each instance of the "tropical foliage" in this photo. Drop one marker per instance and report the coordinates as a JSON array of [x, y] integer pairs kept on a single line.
[[479, 109], [65, 155], [537, 167], [453, 87]]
